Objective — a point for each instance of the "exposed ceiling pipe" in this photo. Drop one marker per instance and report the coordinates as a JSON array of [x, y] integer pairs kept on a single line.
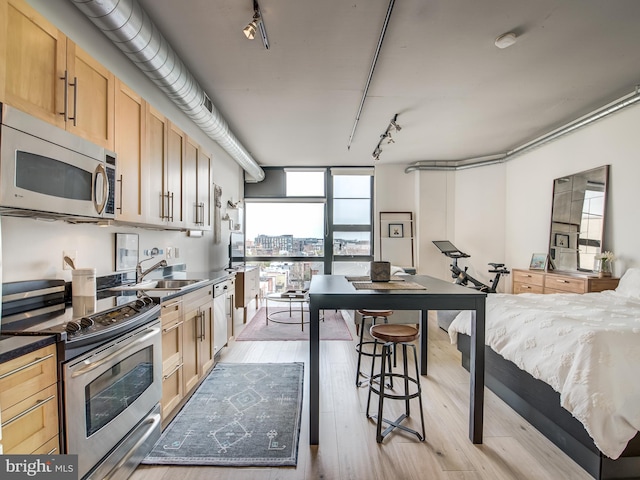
[[373, 67], [129, 27], [549, 137]]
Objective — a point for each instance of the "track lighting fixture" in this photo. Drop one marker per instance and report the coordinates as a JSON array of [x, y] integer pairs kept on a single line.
[[256, 24], [393, 125], [250, 30]]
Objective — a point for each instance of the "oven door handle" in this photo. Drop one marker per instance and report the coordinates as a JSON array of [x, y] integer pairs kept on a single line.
[[93, 365]]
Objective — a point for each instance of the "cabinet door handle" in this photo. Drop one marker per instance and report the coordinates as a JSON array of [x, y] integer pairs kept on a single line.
[[38, 404], [171, 217], [162, 205], [28, 365], [166, 330], [64, 112], [172, 304], [201, 206], [559, 280], [75, 101], [173, 372]]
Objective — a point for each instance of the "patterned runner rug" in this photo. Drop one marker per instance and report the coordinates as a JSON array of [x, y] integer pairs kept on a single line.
[[243, 414]]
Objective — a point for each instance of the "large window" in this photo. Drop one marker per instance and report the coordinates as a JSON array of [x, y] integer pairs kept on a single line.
[[352, 229], [305, 222], [285, 229]]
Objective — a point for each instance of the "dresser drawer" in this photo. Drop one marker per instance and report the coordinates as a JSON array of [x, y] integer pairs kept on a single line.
[[528, 278], [526, 288], [563, 284]]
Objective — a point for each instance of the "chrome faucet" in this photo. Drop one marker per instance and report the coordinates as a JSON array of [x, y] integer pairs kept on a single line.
[[140, 274]]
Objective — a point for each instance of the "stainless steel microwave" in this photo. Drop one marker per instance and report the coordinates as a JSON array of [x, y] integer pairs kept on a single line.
[[44, 169]]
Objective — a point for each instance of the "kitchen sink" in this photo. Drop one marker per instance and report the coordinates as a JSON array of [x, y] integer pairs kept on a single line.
[[175, 284], [164, 284]]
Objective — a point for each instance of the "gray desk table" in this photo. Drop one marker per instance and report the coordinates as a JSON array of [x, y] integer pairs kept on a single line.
[[328, 292]]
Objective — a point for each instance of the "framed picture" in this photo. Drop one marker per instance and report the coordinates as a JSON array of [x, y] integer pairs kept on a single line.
[[396, 230], [126, 251], [538, 261], [561, 240]]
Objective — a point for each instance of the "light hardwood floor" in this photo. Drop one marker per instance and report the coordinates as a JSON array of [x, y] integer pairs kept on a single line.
[[512, 448]]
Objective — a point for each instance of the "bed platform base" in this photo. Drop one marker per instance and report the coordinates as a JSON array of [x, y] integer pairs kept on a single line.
[[539, 404]]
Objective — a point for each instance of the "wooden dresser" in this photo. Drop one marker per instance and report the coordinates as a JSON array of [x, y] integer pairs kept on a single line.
[[540, 281]]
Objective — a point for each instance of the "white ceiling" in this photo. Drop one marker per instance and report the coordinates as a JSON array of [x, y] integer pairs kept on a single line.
[[457, 96]]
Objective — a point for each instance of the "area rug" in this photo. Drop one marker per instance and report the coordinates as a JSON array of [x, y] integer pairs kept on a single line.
[[332, 327], [243, 414]]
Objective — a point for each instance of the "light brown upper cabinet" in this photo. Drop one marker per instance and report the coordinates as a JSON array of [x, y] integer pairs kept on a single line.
[[50, 77], [165, 153], [131, 146], [197, 187], [204, 190], [176, 149], [189, 174], [157, 155]]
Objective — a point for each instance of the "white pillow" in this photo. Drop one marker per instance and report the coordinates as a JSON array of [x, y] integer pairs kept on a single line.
[[396, 270], [629, 284]]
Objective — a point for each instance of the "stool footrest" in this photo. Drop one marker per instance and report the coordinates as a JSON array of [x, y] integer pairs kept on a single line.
[[395, 424], [376, 379]]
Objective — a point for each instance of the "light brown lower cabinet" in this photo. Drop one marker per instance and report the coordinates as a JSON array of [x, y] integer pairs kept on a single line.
[[172, 363], [187, 347], [29, 403]]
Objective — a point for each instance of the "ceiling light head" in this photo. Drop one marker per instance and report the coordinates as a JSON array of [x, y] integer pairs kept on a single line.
[[251, 29], [256, 26], [506, 40], [395, 125]]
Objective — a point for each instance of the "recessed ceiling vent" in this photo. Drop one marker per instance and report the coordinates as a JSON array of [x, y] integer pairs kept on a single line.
[[129, 27], [208, 104]]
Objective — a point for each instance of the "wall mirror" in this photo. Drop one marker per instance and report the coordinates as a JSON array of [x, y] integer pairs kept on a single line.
[[577, 219]]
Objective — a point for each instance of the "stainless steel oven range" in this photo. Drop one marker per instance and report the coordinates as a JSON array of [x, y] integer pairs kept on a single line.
[[110, 368]]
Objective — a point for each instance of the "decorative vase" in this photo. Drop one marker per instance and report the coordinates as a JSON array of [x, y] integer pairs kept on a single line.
[[602, 267], [380, 271]]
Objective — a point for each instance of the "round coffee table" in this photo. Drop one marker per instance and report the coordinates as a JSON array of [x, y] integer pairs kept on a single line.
[[278, 317]]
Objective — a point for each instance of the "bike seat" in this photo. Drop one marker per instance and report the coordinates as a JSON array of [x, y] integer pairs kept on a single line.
[[496, 265]]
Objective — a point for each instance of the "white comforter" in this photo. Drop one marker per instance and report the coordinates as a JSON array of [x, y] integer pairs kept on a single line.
[[587, 347]]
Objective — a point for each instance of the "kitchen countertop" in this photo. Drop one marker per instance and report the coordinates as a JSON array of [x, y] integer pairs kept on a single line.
[[212, 277], [13, 346]]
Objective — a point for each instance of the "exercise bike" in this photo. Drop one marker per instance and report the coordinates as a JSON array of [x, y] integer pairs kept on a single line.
[[461, 276]]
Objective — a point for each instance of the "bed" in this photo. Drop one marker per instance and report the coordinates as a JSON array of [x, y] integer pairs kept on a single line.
[[568, 364]]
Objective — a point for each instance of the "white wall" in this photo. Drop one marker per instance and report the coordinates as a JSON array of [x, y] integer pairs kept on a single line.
[[33, 249], [479, 219], [502, 213], [613, 141]]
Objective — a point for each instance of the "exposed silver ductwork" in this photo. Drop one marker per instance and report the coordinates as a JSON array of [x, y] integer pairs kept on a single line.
[[129, 27], [631, 99]]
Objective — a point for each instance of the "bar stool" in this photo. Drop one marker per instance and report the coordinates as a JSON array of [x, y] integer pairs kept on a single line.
[[374, 315], [392, 335]]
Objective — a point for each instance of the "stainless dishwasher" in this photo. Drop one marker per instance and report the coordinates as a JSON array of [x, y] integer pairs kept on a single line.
[[220, 330]]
